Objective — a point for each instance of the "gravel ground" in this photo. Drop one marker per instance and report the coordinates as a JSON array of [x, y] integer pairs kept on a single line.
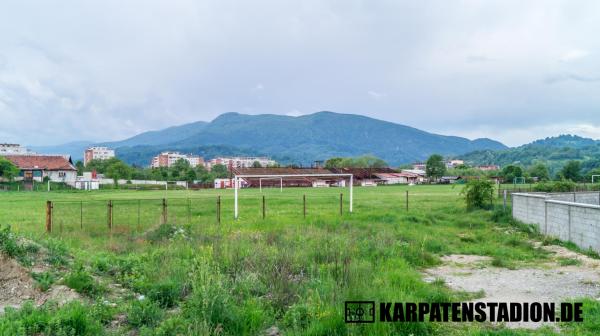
[[17, 286], [546, 282]]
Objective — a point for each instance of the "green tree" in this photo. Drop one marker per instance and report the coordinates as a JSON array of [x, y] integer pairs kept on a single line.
[[219, 171], [180, 165], [80, 167], [370, 161], [478, 194], [256, 164], [509, 173], [571, 171], [334, 162], [118, 170], [595, 171], [540, 171], [190, 175], [8, 170], [435, 167]]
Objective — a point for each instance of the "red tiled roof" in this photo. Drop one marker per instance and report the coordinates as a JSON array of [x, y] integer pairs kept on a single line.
[[45, 162]]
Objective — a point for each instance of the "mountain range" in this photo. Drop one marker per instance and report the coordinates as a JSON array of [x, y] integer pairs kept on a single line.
[[288, 139], [553, 152]]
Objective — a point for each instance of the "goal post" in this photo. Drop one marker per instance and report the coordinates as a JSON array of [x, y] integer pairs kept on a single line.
[[593, 176], [519, 179], [271, 178], [238, 178]]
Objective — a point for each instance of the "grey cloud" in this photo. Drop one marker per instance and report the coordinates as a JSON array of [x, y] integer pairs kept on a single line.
[[573, 77], [104, 70]]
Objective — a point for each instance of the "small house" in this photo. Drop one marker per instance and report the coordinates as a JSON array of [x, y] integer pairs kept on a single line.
[[57, 168]]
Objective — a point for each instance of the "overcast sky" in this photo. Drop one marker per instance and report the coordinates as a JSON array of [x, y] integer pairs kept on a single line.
[[106, 70]]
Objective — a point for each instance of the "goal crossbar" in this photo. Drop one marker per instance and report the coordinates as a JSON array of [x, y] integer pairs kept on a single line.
[[238, 178], [271, 178]]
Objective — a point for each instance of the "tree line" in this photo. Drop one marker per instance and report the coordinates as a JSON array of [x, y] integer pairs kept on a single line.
[[181, 170]]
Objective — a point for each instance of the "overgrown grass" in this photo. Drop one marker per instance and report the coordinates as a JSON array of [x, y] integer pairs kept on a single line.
[[244, 277]]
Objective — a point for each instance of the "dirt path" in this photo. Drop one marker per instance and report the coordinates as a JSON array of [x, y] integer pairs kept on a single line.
[[546, 282]]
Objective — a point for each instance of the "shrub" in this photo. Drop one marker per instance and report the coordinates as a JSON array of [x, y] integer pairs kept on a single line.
[[297, 317], [57, 252], [44, 280], [478, 194], [144, 313], [8, 243], [81, 281], [73, 319], [25, 321], [555, 186], [166, 294]]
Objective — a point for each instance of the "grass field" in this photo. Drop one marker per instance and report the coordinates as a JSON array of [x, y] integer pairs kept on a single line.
[[249, 275]]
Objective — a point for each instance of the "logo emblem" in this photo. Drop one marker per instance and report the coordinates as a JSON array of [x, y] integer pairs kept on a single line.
[[359, 311]]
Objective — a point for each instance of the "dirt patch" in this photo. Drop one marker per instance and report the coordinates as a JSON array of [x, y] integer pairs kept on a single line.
[[546, 282], [17, 286]]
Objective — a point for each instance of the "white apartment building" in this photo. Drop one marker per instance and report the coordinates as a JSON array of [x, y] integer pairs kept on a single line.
[[242, 162], [13, 149], [167, 159], [97, 153]]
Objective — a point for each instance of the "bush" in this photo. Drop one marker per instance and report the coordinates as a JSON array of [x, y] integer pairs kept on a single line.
[[555, 186], [81, 281], [71, 319], [478, 194], [74, 319], [25, 321], [8, 243], [44, 280], [57, 252], [166, 294], [144, 313]]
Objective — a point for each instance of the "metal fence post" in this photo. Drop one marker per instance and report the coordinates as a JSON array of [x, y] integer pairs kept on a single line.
[[219, 209], [263, 207], [164, 211], [341, 204], [110, 215], [304, 203], [49, 216], [504, 199]]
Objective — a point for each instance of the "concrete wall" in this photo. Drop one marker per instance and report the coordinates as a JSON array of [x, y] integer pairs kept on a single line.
[[557, 215]]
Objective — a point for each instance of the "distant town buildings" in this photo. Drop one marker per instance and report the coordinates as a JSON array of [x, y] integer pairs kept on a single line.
[[449, 164], [241, 162], [454, 164], [14, 149], [97, 153], [488, 167], [167, 159]]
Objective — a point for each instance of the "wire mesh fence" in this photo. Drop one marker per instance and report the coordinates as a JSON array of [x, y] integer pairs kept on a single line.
[[135, 216], [138, 216]]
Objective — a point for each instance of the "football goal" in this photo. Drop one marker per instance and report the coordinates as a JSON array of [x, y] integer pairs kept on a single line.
[[237, 179]]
